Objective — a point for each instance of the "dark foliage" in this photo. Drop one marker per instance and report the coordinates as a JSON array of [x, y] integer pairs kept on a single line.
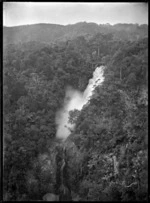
[[106, 155]]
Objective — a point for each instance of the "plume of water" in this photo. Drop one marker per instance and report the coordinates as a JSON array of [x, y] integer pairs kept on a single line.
[[75, 99]]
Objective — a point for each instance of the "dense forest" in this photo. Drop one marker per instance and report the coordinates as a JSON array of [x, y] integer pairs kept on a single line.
[[106, 156]]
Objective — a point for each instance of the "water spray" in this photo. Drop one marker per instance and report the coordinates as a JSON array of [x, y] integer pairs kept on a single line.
[[75, 99]]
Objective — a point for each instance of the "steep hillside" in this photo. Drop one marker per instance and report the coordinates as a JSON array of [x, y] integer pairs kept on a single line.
[[112, 130]]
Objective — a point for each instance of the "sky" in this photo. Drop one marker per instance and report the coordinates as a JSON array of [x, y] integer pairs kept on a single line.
[[23, 13]]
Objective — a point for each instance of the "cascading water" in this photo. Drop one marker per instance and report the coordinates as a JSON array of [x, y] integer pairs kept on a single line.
[[76, 100]]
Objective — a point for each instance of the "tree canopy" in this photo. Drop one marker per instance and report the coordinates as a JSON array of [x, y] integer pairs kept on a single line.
[[106, 154]]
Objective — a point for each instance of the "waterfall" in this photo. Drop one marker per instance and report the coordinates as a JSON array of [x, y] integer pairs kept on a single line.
[[75, 99]]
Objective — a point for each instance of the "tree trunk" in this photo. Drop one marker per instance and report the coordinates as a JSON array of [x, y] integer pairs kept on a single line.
[[120, 73], [116, 165]]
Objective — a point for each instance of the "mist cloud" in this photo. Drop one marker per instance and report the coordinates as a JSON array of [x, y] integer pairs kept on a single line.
[[75, 99]]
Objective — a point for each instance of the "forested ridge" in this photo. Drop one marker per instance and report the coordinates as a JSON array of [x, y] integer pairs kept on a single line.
[[53, 33], [106, 155]]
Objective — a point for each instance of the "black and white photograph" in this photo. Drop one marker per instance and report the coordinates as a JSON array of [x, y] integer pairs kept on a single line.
[[75, 101]]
